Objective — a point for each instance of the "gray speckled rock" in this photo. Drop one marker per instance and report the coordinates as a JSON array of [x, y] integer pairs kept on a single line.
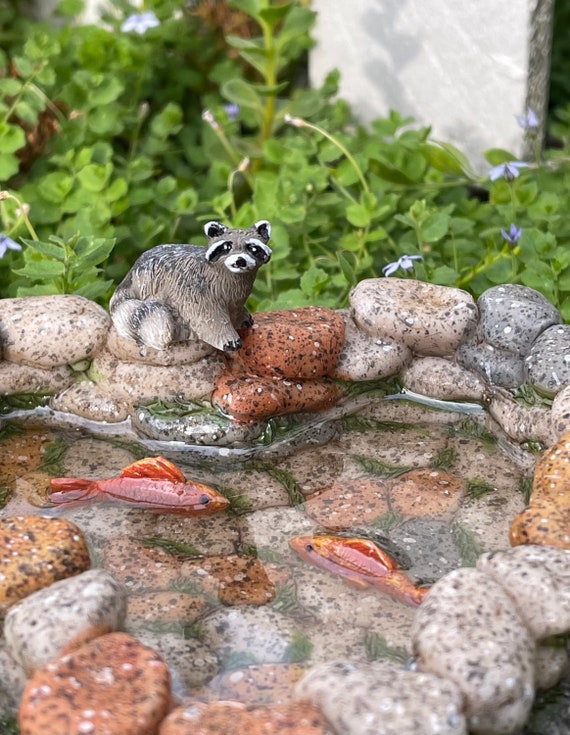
[[497, 366], [511, 317], [38, 627], [429, 319], [16, 378], [467, 630], [196, 427], [179, 353], [368, 358], [443, 379], [86, 399], [547, 366], [137, 382], [382, 698], [537, 578], [45, 331]]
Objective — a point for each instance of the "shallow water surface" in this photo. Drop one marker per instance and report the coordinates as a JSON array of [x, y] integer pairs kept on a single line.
[[233, 609]]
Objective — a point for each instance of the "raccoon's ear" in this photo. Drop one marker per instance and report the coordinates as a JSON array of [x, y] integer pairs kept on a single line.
[[214, 229], [263, 229]]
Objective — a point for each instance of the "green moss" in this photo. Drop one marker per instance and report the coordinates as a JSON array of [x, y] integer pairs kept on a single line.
[[299, 648], [379, 468], [525, 487], [478, 488], [444, 459], [377, 647], [5, 495], [467, 544], [472, 429], [239, 503], [23, 401], [53, 458], [282, 476], [9, 725], [179, 549], [387, 521]]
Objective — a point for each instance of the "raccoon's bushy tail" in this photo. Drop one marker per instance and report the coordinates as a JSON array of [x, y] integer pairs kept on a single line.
[[149, 323]]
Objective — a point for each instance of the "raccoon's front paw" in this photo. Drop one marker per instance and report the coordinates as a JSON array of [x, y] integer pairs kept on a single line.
[[247, 322], [232, 346]]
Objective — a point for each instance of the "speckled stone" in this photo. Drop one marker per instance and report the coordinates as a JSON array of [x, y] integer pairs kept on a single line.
[[164, 606], [86, 399], [380, 697], [537, 578], [511, 317], [520, 422], [468, 632], [177, 353], [429, 319], [38, 627], [348, 502], [497, 366], [36, 551], [546, 519], [256, 684], [221, 718], [137, 382], [46, 331], [441, 378], [547, 366], [430, 545], [560, 413], [251, 397], [550, 665], [196, 428], [300, 344], [112, 685], [138, 568], [424, 491], [368, 358], [17, 378]]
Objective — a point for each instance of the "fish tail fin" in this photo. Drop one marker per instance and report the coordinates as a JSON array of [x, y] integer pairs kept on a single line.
[[68, 489], [157, 468]]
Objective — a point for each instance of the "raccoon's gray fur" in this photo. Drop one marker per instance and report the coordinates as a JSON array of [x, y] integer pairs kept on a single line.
[[174, 292]]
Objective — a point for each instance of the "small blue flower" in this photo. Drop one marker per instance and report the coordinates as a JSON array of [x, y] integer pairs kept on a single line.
[[528, 121], [513, 235], [6, 243], [232, 111], [140, 22], [509, 170], [406, 262]]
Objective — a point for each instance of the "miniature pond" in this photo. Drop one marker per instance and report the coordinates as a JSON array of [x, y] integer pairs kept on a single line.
[[236, 613]]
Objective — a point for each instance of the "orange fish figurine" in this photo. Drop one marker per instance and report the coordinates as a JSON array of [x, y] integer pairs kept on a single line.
[[153, 483], [362, 564]]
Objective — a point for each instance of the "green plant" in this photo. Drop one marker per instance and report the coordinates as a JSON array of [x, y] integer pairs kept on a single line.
[[139, 137]]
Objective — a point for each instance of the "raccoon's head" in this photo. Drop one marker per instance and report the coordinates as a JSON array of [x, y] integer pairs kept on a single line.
[[239, 250]]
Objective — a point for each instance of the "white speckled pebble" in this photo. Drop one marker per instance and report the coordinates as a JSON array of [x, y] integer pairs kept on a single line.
[[429, 319], [550, 665], [88, 400], [15, 378], [468, 631], [560, 413], [368, 358], [547, 365], [537, 578], [381, 698], [443, 379], [45, 331], [137, 382], [179, 353], [38, 627], [522, 423]]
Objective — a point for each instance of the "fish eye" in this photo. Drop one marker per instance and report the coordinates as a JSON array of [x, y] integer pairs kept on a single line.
[[204, 499], [309, 547]]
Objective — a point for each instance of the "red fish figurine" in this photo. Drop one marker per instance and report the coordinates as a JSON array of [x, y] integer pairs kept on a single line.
[[153, 483], [362, 564]]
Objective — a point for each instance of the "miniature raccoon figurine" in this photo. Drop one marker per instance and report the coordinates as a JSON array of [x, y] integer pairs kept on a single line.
[[174, 292]]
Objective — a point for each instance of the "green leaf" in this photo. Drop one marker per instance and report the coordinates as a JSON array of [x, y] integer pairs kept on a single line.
[[94, 177], [250, 7], [49, 249], [12, 137], [274, 14], [445, 157], [93, 251], [314, 280], [241, 93], [55, 186], [10, 86], [94, 290], [186, 202], [347, 269], [104, 90], [168, 121], [9, 166], [358, 215], [495, 156], [41, 269], [434, 227]]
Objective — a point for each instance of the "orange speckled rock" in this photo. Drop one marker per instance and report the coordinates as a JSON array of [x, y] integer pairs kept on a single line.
[[112, 685], [348, 503], [424, 492], [233, 580], [294, 343], [165, 607], [249, 397], [36, 551], [221, 718], [546, 520]]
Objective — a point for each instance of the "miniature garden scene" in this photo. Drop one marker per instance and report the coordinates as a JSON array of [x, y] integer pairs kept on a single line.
[[284, 394]]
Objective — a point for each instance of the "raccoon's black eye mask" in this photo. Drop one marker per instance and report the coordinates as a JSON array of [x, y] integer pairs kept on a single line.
[[218, 249]]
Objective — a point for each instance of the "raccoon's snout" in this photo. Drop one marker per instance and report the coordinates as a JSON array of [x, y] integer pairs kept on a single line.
[[240, 262]]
